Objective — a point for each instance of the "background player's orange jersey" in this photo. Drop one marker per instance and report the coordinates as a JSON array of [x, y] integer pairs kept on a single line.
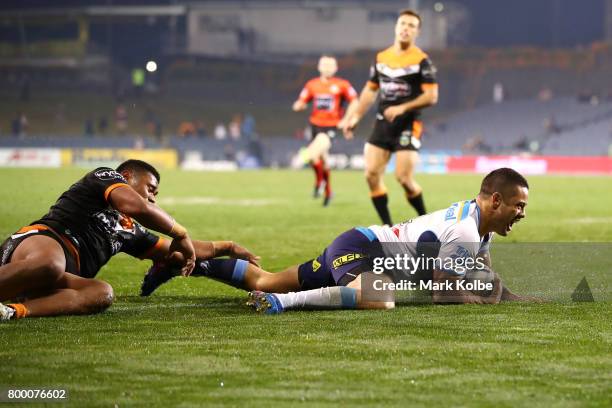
[[327, 99]]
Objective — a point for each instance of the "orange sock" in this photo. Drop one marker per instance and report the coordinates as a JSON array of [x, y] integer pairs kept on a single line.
[[20, 310]]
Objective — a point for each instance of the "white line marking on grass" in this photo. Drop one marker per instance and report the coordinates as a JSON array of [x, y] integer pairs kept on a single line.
[[589, 220], [246, 202]]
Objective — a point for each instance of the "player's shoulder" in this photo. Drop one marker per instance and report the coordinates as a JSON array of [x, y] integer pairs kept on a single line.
[[339, 81], [389, 56], [458, 223], [313, 82], [386, 53], [419, 52]]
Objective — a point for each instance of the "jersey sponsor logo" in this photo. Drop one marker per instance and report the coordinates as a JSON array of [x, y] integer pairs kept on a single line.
[[315, 265], [394, 89], [345, 259], [116, 226], [108, 175], [450, 213], [324, 102]]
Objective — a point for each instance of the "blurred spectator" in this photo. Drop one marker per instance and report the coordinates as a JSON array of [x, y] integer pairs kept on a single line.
[[234, 127], [89, 127], [522, 144], [186, 128], [248, 126], [24, 94], [220, 131], [551, 126], [229, 152], [19, 125], [102, 125], [60, 114], [545, 95], [476, 144], [153, 123], [121, 119], [139, 143], [200, 129], [498, 92]]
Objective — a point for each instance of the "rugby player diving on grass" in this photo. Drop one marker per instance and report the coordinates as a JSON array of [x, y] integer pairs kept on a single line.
[[48, 267], [334, 280]]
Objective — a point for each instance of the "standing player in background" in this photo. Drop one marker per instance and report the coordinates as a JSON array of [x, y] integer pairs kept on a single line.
[[328, 95], [406, 79]]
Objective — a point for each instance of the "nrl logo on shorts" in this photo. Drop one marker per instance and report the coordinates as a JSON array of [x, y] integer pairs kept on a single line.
[[405, 138]]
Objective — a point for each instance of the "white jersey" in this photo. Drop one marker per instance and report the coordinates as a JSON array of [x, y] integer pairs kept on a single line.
[[454, 228]]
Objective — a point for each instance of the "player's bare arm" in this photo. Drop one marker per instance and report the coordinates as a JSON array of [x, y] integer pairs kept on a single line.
[[299, 105], [367, 98], [127, 201], [429, 97], [349, 110], [205, 250]]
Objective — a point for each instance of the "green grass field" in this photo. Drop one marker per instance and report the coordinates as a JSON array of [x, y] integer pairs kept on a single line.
[[194, 343]]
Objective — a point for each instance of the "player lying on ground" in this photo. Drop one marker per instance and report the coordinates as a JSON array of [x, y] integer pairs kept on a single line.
[[51, 264], [328, 94], [334, 279]]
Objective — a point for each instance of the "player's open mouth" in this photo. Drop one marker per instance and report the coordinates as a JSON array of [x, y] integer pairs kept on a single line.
[[509, 226]]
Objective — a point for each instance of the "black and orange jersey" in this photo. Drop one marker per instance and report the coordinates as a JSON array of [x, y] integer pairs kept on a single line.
[[328, 98], [83, 215], [401, 77]]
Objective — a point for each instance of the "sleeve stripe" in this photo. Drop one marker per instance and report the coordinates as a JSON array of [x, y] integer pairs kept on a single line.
[[373, 85], [151, 250], [110, 188]]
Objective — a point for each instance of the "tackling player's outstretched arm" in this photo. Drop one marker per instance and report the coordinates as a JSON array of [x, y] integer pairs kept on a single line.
[[127, 201], [205, 250]]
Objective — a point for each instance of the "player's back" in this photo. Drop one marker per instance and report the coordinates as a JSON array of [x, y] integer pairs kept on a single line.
[[453, 225]]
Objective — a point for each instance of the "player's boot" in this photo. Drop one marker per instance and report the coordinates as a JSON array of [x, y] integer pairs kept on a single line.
[[317, 192], [6, 313], [266, 303], [327, 199], [157, 275]]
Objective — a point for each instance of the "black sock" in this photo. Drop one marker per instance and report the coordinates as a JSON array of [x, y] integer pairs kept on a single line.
[[418, 204], [380, 203], [230, 271]]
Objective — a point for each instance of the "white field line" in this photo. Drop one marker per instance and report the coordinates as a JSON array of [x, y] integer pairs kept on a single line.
[[246, 202], [589, 220]]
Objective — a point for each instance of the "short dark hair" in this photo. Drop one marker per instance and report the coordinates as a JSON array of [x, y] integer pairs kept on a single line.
[[138, 166], [501, 180], [410, 12]]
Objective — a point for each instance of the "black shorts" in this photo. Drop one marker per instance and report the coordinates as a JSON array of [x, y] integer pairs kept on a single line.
[[402, 134], [330, 131], [341, 262], [11, 243]]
